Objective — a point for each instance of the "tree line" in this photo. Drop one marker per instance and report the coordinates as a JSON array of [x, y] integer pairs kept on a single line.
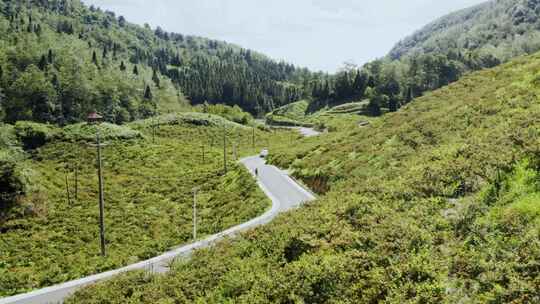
[[60, 59]]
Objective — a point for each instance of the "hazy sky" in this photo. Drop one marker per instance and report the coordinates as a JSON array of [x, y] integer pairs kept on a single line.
[[318, 34]]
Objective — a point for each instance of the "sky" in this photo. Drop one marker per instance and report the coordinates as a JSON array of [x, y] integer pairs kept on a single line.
[[318, 34]]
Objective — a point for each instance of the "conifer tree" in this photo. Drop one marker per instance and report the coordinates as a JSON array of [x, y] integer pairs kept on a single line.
[[50, 56], [94, 58], [148, 93], [135, 70], [55, 82], [155, 78], [42, 65]]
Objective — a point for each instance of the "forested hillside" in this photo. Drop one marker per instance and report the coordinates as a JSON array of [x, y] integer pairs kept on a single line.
[[437, 203], [60, 59], [472, 39]]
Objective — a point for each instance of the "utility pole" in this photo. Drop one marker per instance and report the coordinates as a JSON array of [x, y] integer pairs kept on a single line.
[[94, 118], [202, 146], [153, 130], [195, 213], [77, 181], [77, 164], [67, 188], [253, 138], [101, 201], [225, 148]]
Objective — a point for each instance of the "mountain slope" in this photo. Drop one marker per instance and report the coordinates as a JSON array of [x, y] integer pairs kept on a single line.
[[61, 59], [502, 28], [432, 204], [48, 192], [469, 40]]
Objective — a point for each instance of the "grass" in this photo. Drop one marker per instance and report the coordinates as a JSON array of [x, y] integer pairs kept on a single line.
[[293, 114], [334, 119], [359, 108], [425, 205], [48, 239]]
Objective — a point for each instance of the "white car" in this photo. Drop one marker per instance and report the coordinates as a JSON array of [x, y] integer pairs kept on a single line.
[[264, 153]]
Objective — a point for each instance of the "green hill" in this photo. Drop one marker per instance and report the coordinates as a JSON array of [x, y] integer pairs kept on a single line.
[[436, 203], [60, 59], [49, 201], [299, 114], [499, 29], [442, 52]]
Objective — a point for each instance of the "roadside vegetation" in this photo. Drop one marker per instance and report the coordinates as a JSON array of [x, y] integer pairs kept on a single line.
[[434, 203], [332, 119], [49, 209]]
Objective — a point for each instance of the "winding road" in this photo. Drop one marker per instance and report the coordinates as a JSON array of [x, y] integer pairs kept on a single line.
[[284, 192]]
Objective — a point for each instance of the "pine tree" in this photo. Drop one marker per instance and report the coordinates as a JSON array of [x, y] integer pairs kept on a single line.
[[374, 107], [148, 93], [55, 82], [121, 21], [360, 84], [37, 29], [393, 104], [50, 57], [42, 65], [409, 96], [94, 58], [176, 61], [155, 78]]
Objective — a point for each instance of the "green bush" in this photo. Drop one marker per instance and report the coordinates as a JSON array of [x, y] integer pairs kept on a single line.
[[86, 132], [187, 118], [13, 182], [34, 135]]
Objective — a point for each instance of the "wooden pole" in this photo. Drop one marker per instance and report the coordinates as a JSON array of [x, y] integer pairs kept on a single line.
[[67, 189], [225, 149], [202, 146], [101, 199], [77, 181], [195, 214]]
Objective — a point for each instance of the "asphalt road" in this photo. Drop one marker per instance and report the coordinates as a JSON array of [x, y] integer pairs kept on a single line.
[[308, 132], [284, 192]]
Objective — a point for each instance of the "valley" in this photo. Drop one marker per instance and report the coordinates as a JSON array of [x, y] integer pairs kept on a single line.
[[232, 177]]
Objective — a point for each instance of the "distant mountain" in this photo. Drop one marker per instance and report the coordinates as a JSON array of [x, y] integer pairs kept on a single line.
[[502, 29], [61, 59], [472, 39]]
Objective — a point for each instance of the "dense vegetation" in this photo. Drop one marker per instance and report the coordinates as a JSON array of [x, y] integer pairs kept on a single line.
[[437, 203], [49, 214], [60, 59], [325, 119], [472, 39]]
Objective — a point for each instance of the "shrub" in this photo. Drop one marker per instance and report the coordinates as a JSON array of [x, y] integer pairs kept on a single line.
[[108, 131], [12, 182], [34, 135]]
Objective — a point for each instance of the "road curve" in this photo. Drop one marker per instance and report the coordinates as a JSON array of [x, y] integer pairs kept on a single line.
[[306, 132], [284, 192]]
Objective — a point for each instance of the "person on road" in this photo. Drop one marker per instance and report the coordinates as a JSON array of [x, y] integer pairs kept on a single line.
[[257, 172]]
